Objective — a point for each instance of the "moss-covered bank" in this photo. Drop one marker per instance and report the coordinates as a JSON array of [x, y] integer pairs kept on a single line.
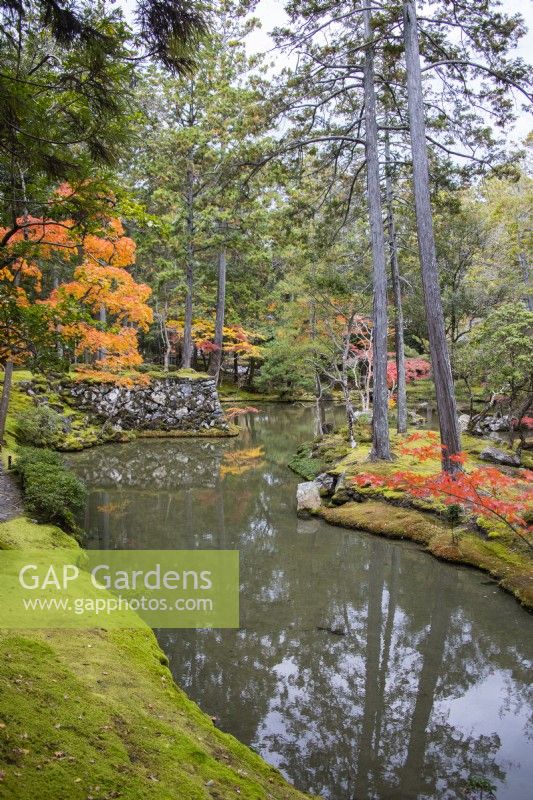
[[484, 544], [96, 714]]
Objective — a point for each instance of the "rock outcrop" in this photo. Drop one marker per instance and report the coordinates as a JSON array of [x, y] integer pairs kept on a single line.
[[501, 457]]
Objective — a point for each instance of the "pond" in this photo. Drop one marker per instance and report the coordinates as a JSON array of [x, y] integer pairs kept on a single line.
[[426, 681]]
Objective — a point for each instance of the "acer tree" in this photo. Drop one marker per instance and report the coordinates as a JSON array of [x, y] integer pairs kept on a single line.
[[236, 341], [110, 306], [485, 492], [36, 314]]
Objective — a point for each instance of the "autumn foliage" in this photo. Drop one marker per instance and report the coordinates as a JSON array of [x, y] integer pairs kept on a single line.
[[485, 492], [236, 339], [97, 313]]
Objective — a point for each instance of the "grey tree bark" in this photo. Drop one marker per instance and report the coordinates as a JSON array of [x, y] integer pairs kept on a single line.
[[440, 358], [216, 357], [401, 391], [102, 317], [187, 348], [6, 394], [524, 267], [380, 423]]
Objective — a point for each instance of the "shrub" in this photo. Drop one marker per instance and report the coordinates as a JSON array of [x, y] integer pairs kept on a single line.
[[51, 492], [40, 426]]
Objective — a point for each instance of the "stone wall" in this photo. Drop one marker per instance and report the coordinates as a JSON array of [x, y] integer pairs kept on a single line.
[[173, 403]]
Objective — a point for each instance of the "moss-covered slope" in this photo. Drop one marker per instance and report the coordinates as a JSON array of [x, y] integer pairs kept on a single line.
[[96, 714]]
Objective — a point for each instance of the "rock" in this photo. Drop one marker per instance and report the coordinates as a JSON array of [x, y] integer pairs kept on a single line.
[[159, 398], [499, 424], [463, 421], [487, 424], [500, 457], [326, 484], [343, 492], [307, 499]]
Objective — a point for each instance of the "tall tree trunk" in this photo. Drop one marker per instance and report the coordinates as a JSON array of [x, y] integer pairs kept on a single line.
[[102, 316], [321, 421], [59, 344], [401, 405], [440, 357], [9, 364], [161, 317], [216, 357], [251, 373], [380, 421], [6, 393], [524, 268], [186, 353], [235, 369]]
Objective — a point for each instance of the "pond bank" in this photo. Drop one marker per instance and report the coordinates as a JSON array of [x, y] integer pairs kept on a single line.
[[485, 545], [96, 713], [362, 667]]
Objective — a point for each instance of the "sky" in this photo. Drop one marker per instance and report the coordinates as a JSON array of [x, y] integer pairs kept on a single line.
[[271, 14]]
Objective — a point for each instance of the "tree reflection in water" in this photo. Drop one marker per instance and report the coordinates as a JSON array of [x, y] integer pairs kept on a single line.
[[387, 707]]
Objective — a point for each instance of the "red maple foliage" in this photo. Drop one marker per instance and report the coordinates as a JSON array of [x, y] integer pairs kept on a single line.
[[485, 491], [415, 369]]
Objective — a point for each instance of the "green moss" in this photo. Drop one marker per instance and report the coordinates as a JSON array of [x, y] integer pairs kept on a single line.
[[384, 519], [207, 433], [513, 569], [306, 466], [95, 713], [526, 458], [20, 534]]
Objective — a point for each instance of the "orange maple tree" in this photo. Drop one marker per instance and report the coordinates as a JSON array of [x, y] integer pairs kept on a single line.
[[98, 312], [102, 282], [236, 338]]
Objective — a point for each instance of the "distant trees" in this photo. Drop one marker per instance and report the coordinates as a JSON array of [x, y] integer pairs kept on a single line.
[[499, 354], [66, 73], [199, 133], [324, 99]]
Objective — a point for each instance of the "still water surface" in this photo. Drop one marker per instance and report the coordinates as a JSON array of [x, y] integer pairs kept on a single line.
[[431, 682]]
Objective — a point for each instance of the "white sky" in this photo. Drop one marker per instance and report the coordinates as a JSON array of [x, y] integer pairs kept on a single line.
[[271, 14]]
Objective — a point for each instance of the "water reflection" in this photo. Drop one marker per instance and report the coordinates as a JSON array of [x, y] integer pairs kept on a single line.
[[426, 679]]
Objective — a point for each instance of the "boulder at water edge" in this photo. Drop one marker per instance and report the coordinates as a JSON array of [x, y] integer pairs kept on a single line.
[[307, 499]]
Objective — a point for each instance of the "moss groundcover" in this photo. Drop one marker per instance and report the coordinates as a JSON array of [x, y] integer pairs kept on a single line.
[[486, 545], [95, 715]]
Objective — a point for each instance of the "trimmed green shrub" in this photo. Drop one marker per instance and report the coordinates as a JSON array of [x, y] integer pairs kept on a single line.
[[51, 492], [40, 426]]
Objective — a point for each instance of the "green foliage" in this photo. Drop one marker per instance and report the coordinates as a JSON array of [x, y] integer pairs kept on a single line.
[[40, 426], [51, 492], [499, 352], [479, 788], [287, 366]]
